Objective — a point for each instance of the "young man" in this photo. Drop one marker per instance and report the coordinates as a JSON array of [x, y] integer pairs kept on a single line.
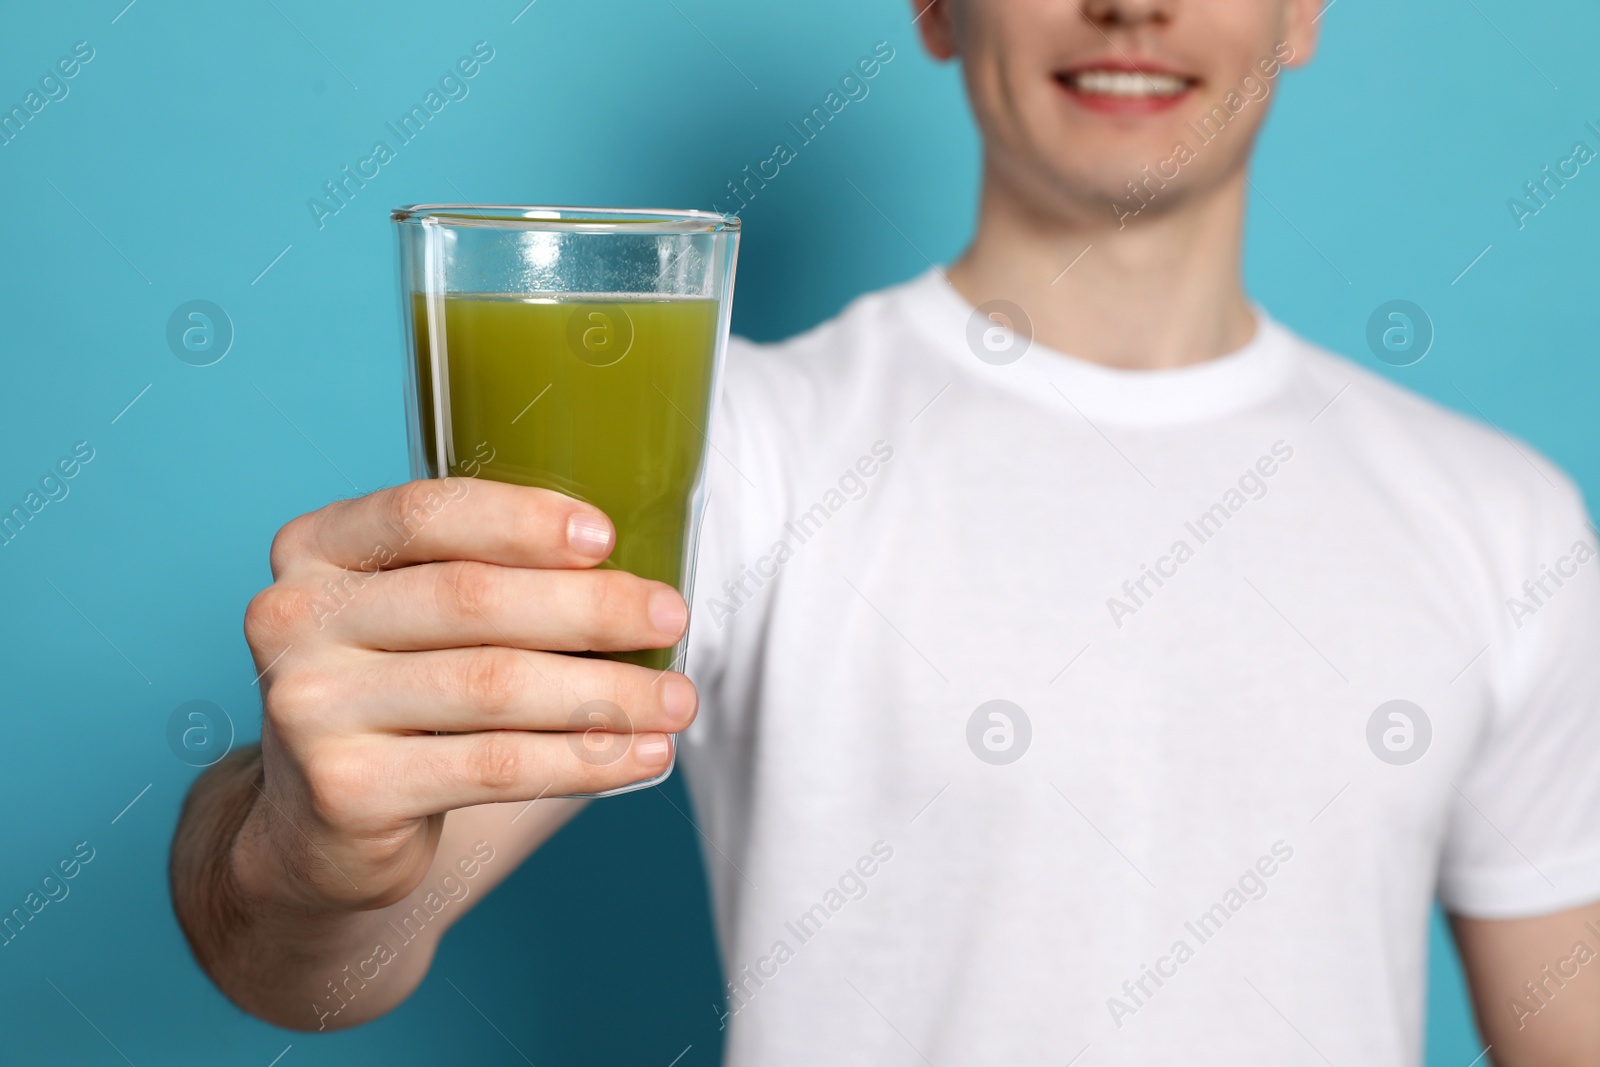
[[1136, 701]]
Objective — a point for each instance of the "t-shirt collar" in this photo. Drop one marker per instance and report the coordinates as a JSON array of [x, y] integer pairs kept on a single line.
[[1215, 388]]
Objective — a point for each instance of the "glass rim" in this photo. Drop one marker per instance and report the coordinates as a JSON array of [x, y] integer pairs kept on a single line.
[[566, 219]]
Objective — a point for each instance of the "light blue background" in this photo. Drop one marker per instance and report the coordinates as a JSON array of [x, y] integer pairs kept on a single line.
[[180, 165]]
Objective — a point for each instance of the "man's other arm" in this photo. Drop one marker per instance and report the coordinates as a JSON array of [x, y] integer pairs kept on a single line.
[[1535, 986]]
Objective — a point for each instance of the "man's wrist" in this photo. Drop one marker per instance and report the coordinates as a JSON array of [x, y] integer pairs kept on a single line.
[[205, 894]]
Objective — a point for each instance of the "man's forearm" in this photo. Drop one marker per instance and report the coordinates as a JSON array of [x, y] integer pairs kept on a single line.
[[282, 961]]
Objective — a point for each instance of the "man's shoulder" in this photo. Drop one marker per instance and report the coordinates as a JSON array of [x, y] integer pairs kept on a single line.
[[827, 355], [1451, 446], [828, 379]]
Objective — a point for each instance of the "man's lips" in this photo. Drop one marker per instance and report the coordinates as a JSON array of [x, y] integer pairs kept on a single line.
[[1122, 87]]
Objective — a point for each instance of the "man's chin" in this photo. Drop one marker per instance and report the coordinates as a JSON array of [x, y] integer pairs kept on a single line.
[[1111, 197], [1122, 193]]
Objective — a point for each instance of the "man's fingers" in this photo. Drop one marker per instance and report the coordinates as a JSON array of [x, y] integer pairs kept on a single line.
[[496, 688], [429, 774], [464, 604], [448, 519]]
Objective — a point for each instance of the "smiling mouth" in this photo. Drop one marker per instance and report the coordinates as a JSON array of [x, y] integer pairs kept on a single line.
[[1119, 87]]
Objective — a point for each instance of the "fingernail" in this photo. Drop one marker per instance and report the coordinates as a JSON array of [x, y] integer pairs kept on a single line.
[[589, 535], [652, 749], [667, 612], [678, 698]]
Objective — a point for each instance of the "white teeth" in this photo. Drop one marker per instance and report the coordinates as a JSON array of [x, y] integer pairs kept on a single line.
[[1127, 83]]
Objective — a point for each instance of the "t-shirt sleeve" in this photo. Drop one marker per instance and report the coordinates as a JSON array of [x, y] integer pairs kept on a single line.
[[744, 490], [716, 550], [747, 463], [1524, 828]]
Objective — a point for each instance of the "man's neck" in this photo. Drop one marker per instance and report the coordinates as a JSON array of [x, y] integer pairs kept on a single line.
[[1161, 292]]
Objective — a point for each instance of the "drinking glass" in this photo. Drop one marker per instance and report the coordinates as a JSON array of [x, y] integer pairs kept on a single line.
[[575, 349]]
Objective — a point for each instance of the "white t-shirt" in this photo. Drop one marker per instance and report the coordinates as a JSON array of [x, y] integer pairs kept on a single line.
[[1197, 830]]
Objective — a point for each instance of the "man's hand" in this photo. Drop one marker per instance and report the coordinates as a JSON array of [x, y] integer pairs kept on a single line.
[[410, 647], [482, 585]]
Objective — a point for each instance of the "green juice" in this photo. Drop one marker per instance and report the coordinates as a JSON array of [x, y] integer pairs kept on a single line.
[[605, 399]]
